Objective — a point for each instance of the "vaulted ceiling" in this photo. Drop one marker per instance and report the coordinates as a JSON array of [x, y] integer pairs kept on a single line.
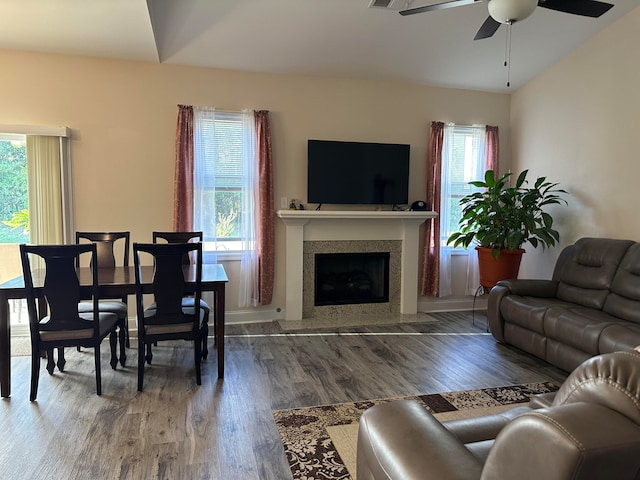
[[339, 38]]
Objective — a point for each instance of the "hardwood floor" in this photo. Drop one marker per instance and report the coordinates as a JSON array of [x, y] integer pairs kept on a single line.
[[225, 429]]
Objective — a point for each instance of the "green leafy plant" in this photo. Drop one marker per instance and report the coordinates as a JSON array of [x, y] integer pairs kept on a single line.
[[19, 219], [504, 217]]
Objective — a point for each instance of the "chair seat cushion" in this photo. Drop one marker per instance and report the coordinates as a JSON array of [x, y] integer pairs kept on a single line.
[[186, 302], [111, 306], [179, 327], [107, 321]]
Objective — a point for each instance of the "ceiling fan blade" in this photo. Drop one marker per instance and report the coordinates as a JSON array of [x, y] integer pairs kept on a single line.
[[488, 28], [586, 8], [438, 6]]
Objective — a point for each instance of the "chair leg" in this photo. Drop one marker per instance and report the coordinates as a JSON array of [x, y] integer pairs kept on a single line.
[[61, 361], [51, 364], [35, 374], [124, 342], [98, 372], [197, 357], [126, 332], [113, 340], [149, 355], [205, 340], [141, 359]]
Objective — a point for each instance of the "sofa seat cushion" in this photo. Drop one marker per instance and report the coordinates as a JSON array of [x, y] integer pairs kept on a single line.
[[619, 337], [576, 326], [528, 312]]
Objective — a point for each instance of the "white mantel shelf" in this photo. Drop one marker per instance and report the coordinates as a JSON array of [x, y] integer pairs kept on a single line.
[[309, 225], [286, 215]]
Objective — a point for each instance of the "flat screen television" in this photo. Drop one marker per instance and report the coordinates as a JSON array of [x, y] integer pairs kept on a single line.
[[357, 173]]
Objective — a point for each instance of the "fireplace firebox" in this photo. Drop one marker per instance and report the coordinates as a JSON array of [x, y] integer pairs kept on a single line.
[[351, 278]]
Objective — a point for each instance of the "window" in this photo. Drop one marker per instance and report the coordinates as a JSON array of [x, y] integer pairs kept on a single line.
[[224, 181], [463, 159], [462, 162], [35, 198], [14, 203]]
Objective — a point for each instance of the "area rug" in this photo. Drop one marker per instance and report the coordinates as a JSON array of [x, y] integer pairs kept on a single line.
[[20, 346], [320, 442]]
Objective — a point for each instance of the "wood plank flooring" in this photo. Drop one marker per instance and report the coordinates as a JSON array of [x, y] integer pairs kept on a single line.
[[225, 429]]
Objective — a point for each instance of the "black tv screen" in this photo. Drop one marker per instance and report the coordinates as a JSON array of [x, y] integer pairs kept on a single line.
[[357, 173]]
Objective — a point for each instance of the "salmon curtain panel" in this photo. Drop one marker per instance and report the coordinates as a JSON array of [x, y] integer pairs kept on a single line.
[[430, 269], [430, 272], [266, 210], [492, 149], [183, 175]]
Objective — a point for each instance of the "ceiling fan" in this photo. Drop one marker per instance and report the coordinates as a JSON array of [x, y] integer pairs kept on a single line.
[[511, 11]]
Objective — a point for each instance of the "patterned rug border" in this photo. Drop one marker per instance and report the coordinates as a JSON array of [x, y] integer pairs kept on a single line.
[[310, 451]]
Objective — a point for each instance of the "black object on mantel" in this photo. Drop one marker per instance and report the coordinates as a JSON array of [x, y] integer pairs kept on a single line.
[[418, 205]]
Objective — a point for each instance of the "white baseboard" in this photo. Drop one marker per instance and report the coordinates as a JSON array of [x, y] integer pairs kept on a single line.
[[426, 305], [253, 316]]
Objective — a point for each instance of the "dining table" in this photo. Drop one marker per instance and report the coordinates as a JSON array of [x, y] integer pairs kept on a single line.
[[113, 282]]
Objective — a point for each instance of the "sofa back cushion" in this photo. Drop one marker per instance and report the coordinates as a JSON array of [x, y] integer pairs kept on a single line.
[[585, 271], [624, 299]]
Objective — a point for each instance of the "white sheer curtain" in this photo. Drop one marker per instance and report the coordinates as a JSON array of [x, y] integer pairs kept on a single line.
[[463, 153], [249, 291], [204, 177], [207, 155]]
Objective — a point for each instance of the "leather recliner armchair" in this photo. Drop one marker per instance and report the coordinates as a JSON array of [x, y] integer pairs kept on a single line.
[[589, 429]]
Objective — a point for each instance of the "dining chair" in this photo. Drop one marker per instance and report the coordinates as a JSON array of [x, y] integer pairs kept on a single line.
[[186, 237], [52, 303], [168, 318], [106, 249]]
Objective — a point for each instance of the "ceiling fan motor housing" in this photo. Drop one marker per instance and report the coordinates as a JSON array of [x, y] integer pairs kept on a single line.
[[511, 11]]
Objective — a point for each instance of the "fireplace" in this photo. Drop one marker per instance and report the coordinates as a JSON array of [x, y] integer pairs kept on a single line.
[[309, 232], [385, 271], [351, 278]]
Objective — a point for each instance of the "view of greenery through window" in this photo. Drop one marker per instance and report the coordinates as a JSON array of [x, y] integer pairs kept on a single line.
[[13, 190]]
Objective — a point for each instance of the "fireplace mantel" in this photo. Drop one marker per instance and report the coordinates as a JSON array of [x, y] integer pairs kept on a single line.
[[310, 225]]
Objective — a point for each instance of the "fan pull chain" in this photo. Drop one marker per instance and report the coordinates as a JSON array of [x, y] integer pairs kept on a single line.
[[507, 53]]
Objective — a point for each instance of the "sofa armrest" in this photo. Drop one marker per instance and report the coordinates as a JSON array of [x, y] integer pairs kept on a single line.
[[402, 440], [577, 440], [531, 288]]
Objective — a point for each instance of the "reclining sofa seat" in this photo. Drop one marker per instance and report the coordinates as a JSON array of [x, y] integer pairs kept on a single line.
[[588, 430], [589, 307]]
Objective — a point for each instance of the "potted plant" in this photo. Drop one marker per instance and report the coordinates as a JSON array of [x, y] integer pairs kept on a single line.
[[501, 218]]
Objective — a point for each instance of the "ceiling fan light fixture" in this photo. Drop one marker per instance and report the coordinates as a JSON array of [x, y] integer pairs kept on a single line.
[[510, 11]]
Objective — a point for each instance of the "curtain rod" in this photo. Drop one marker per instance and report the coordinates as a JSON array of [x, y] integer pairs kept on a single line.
[[213, 108]]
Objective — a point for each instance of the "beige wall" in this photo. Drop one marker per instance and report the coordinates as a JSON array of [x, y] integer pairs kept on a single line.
[[577, 123], [123, 115]]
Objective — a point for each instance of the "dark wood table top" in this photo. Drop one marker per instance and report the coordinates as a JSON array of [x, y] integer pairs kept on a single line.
[[119, 280]]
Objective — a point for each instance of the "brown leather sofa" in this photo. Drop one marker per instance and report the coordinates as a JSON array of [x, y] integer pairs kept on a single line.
[[588, 430], [590, 306]]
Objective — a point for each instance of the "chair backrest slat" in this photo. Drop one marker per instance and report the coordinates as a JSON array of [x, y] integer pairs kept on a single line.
[[105, 243], [61, 287], [179, 237], [168, 284]]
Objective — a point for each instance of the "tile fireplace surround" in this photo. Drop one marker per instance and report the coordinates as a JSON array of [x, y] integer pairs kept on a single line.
[[361, 228]]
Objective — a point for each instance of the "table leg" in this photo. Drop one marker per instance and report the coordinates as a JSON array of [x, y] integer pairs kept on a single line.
[[219, 306], [5, 347]]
